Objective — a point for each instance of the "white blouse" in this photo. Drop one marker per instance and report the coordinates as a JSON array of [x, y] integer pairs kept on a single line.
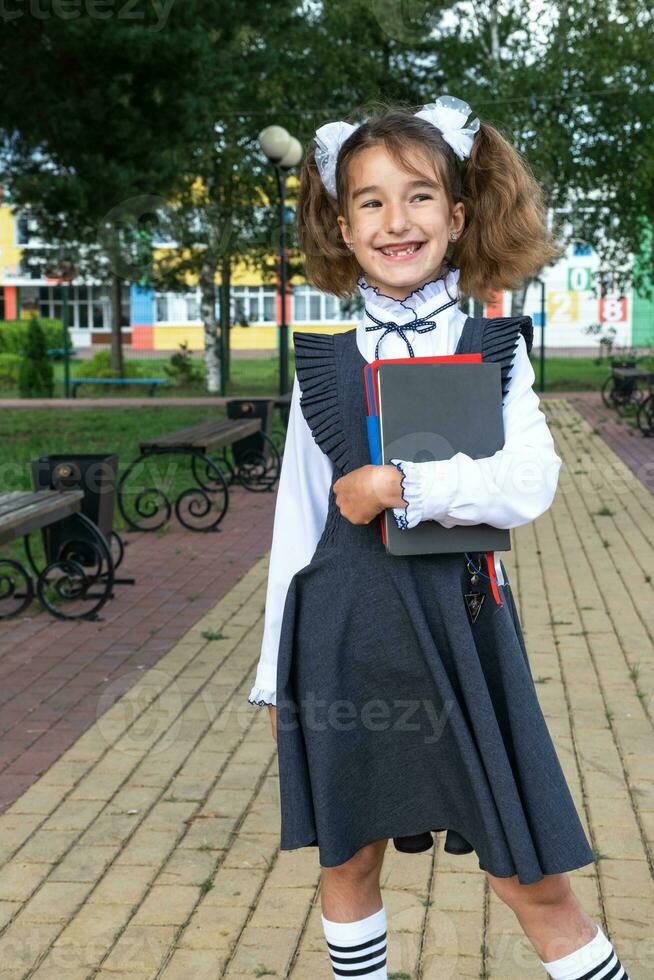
[[510, 488]]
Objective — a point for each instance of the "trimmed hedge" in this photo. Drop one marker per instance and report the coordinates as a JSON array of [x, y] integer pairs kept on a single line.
[[13, 334], [99, 366], [9, 370]]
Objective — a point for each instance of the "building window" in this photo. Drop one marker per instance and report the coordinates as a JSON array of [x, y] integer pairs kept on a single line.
[[192, 307], [161, 307], [88, 306], [252, 305], [24, 231], [310, 304]]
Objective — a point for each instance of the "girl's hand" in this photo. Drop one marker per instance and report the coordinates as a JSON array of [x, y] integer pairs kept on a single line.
[[366, 491], [272, 710]]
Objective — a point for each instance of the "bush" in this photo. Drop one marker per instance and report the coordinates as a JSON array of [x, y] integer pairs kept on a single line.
[[9, 370], [13, 335], [99, 366], [35, 377], [181, 371]]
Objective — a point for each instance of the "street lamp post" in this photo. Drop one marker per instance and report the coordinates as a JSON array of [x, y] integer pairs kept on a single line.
[[284, 152], [543, 314]]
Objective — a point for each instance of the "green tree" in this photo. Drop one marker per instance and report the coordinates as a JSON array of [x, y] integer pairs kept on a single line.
[[99, 118], [35, 378]]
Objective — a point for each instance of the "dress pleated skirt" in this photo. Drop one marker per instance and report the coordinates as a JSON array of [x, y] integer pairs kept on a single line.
[[397, 715]]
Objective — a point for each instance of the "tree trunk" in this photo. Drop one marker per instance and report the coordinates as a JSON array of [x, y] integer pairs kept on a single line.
[[225, 322], [116, 325], [208, 314]]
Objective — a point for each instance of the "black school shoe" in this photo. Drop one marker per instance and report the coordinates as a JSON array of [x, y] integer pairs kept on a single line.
[[455, 843], [413, 845]]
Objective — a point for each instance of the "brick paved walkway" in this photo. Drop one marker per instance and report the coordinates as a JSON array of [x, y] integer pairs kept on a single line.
[[56, 678], [150, 848], [629, 443]]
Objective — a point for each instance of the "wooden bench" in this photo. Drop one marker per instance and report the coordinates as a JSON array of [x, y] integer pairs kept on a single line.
[[21, 514], [153, 383], [151, 507]]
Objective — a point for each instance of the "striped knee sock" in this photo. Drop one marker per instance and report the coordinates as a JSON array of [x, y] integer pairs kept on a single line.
[[597, 960], [358, 949]]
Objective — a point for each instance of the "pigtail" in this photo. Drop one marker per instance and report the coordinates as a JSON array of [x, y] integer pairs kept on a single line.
[[505, 237], [328, 262]]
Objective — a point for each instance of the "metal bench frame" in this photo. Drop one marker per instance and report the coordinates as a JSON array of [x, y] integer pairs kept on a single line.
[[24, 512], [153, 383], [629, 385], [259, 471]]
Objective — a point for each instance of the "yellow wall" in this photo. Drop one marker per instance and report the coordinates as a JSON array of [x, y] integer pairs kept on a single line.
[[169, 338], [9, 253], [242, 338]]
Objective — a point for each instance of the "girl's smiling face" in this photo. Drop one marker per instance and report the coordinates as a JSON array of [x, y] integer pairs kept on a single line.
[[400, 223]]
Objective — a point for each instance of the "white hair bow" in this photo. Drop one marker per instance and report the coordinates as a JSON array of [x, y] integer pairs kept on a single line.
[[330, 139], [447, 113]]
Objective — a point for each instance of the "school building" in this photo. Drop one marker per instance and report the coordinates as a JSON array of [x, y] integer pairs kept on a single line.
[[160, 321]]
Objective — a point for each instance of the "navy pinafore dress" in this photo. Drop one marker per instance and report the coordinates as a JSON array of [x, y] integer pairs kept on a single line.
[[396, 715]]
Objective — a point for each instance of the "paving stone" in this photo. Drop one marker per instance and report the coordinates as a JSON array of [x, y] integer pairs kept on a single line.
[[19, 879], [46, 846], [167, 905], [23, 943], [96, 925], [55, 901], [213, 927], [200, 964], [83, 864], [140, 948]]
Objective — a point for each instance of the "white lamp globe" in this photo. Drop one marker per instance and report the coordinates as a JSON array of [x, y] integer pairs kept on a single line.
[[293, 155], [275, 142]]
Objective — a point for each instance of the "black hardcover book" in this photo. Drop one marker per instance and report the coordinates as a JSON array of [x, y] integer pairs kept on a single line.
[[433, 411]]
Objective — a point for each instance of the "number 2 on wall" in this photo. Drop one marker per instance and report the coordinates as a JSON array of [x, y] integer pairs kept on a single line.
[[562, 306]]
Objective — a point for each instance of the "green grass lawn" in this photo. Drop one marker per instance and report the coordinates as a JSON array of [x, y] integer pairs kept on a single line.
[[249, 376], [261, 377], [28, 434], [570, 373]]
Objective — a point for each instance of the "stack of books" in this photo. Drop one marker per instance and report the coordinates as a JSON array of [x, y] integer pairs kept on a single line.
[[430, 408]]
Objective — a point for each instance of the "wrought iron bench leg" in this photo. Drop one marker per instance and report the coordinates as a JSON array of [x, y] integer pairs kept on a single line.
[[69, 577], [11, 572], [258, 471], [191, 505]]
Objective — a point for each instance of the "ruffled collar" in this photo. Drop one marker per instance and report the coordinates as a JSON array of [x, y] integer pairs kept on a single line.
[[419, 303]]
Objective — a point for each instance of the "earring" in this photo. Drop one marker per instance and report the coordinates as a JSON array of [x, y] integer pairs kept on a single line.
[[350, 246], [453, 236]]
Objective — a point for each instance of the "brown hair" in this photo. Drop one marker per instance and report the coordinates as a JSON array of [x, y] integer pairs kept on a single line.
[[504, 239]]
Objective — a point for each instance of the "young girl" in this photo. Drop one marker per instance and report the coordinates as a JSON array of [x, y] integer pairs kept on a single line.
[[399, 707]]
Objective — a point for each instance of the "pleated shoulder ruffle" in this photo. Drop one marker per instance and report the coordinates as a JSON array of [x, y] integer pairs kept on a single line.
[[497, 339], [315, 366], [500, 339]]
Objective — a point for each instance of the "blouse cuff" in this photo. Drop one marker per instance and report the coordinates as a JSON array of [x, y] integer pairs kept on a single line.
[[428, 488], [262, 695], [413, 493]]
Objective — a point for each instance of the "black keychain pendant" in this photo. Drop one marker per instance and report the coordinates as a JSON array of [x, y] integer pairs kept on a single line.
[[474, 600]]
